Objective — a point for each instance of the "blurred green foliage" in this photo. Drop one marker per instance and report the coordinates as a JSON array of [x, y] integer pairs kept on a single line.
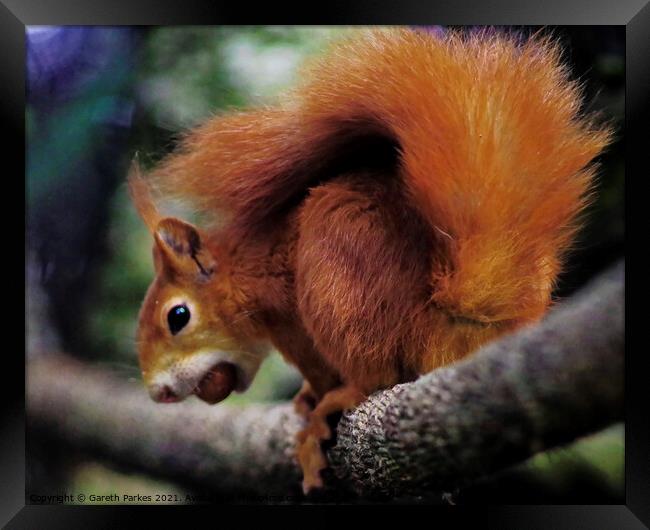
[[203, 70], [601, 455], [587, 471]]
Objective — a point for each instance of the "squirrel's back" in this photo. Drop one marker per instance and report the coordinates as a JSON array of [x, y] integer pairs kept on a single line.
[[483, 129]]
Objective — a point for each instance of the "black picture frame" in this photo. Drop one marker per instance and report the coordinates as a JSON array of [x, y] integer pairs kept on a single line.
[[633, 14]]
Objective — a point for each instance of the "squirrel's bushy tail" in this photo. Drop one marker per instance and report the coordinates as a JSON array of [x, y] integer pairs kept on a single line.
[[485, 130]]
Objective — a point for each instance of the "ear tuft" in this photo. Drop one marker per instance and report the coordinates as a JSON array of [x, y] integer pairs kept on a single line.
[[140, 192]]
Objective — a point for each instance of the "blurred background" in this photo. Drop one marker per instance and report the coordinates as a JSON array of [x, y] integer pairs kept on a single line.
[[97, 96]]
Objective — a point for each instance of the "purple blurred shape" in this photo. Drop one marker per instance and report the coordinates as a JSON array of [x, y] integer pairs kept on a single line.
[[62, 60], [438, 31]]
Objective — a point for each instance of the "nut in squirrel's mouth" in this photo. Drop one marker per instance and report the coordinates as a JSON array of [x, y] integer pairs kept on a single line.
[[217, 384]]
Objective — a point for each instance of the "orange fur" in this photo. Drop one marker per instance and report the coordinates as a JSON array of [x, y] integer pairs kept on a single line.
[[410, 200]]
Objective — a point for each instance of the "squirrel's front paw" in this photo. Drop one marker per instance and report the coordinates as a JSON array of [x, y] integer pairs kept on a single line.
[[310, 455], [312, 461], [309, 452]]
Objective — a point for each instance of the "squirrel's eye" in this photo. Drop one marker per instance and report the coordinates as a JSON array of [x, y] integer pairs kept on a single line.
[[177, 318]]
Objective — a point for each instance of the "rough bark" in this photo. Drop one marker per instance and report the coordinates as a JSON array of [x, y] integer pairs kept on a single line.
[[541, 387]]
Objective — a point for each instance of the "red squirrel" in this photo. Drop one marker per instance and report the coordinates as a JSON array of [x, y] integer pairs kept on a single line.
[[411, 199]]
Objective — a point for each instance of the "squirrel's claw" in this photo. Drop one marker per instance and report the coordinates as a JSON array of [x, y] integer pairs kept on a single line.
[[312, 461], [310, 455]]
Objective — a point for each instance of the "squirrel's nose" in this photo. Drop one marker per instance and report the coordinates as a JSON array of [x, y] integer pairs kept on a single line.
[[164, 394]]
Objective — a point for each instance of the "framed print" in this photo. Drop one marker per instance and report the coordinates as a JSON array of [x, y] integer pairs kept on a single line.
[[376, 258]]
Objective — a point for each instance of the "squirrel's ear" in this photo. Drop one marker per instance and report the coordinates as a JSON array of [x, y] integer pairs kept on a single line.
[[181, 250]]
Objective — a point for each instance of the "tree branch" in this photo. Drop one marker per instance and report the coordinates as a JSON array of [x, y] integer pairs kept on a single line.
[[543, 386]]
